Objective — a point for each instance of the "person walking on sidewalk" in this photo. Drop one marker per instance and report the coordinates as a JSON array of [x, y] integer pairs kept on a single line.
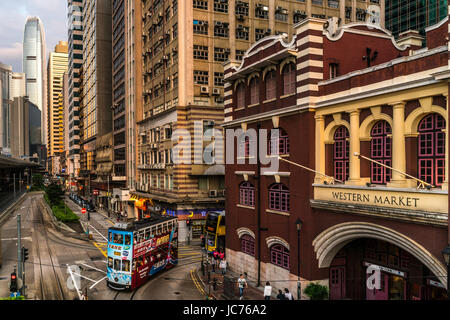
[[267, 291], [281, 295], [223, 266], [242, 283], [287, 294]]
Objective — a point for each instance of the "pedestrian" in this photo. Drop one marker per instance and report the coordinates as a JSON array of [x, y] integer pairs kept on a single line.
[[223, 266], [281, 295], [267, 291], [242, 283], [287, 294], [216, 259]]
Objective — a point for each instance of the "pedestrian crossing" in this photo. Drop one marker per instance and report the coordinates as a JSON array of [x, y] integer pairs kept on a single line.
[[189, 254]]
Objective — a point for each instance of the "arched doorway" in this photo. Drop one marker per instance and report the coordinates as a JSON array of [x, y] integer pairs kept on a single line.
[[407, 271]]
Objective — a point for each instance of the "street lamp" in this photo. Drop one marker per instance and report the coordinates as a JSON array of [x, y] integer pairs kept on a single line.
[[299, 224], [446, 254]]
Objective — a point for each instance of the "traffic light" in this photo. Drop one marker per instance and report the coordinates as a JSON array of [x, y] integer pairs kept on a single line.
[[24, 254], [13, 285], [188, 223]]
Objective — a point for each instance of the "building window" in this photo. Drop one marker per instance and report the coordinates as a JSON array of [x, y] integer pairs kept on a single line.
[[281, 14], [240, 92], [333, 4], [221, 54], [360, 14], [201, 4], [221, 6], [381, 151], [221, 29], [200, 27], [248, 245], [242, 32], [432, 149], [201, 77], [240, 54], [254, 90], [279, 145], [262, 11], [242, 8], [218, 79], [289, 79], [200, 52], [271, 85], [333, 70], [279, 256], [247, 194], [279, 197], [341, 154]]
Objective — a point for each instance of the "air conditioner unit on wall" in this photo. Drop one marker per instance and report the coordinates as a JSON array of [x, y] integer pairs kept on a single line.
[[212, 193], [216, 91], [204, 89]]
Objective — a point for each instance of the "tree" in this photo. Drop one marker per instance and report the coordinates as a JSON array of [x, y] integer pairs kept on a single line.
[[54, 193], [38, 180], [316, 291]]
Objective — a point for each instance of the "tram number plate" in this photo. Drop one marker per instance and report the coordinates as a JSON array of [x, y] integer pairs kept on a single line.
[[117, 254]]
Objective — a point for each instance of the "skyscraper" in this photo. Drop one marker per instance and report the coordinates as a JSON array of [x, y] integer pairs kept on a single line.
[[17, 85], [57, 66], [75, 27], [5, 109], [33, 66]]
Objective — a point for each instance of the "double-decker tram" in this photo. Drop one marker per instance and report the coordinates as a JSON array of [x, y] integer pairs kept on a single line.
[[140, 249], [215, 231]]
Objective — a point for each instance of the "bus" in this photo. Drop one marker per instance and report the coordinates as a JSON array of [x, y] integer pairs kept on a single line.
[[215, 231], [140, 249]]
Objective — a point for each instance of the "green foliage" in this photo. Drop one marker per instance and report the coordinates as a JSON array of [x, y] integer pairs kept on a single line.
[[38, 181], [54, 193], [316, 291], [64, 214], [15, 298]]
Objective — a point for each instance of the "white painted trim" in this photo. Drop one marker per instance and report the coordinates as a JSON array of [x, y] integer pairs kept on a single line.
[[305, 52], [271, 241], [310, 63], [437, 25], [245, 231]]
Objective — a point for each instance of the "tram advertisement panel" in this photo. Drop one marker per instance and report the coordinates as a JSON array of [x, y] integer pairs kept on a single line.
[[120, 256], [169, 257]]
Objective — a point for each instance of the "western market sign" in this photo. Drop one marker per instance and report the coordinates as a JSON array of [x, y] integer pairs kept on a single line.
[[409, 199]]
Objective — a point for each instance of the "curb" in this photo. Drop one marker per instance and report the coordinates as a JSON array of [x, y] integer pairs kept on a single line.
[[7, 212], [204, 285]]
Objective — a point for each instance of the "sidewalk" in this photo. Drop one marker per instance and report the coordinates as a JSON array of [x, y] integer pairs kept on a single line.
[[251, 292]]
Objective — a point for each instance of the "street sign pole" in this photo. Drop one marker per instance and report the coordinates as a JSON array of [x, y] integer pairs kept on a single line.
[[19, 248]]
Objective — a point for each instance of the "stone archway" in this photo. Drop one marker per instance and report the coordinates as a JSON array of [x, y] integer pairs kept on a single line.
[[329, 242]]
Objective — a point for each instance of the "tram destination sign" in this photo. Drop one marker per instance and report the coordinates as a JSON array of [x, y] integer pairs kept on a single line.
[[410, 199]]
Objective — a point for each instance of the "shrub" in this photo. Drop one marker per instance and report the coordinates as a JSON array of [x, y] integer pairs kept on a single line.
[[316, 291], [63, 213]]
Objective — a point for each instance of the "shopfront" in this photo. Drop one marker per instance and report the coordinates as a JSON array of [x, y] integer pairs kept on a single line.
[[402, 276]]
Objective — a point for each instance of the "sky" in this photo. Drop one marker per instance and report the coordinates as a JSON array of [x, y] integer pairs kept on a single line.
[[13, 15]]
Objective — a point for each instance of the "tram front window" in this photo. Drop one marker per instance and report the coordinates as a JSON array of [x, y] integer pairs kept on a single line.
[[110, 262], [126, 266], [117, 238], [127, 239], [117, 264]]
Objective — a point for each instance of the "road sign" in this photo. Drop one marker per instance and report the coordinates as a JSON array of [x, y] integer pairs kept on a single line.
[[83, 211]]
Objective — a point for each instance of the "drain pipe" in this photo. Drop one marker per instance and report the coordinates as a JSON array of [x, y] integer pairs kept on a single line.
[[258, 176]]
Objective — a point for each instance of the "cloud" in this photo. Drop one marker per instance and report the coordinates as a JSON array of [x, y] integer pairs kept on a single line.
[[13, 15]]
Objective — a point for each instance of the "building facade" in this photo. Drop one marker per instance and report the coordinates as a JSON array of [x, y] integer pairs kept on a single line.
[[5, 111], [33, 65], [17, 85], [75, 42], [332, 209], [416, 15], [57, 66], [95, 81]]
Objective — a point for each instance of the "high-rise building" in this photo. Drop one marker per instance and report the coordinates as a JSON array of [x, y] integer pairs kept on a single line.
[[75, 42], [17, 84], [33, 66], [5, 108], [95, 108], [124, 96], [403, 15], [183, 45], [25, 129], [57, 66]]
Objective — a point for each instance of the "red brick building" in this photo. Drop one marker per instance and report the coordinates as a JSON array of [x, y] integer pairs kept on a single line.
[[333, 92]]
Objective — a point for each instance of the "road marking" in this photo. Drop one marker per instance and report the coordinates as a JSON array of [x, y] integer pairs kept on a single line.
[[90, 226], [196, 283], [97, 282], [15, 239], [79, 275], [86, 265], [189, 254], [101, 250]]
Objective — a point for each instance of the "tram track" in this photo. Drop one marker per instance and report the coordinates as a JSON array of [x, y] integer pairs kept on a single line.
[[43, 250]]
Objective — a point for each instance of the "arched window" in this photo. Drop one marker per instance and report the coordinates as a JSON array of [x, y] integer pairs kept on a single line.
[[248, 245], [279, 197], [247, 194], [280, 144], [381, 151], [341, 154], [431, 153], [254, 90], [279, 256], [289, 79], [240, 93], [271, 85]]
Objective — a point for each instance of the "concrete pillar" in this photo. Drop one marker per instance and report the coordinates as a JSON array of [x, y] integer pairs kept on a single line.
[[342, 11], [355, 172], [353, 15], [398, 145], [383, 13], [320, 148], [308, 8]]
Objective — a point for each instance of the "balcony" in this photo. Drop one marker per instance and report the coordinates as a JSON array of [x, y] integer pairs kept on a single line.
[[154, 166], [407, 204]]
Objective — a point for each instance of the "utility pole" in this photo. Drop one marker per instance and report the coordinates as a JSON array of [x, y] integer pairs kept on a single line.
[[19, 248], [108, 197], [14, 182]]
